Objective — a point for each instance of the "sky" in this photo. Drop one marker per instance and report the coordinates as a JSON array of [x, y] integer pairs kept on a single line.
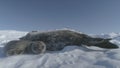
[[88, 16]]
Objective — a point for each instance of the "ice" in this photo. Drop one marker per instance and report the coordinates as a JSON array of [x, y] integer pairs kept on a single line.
[[69, 57], [7, 35]]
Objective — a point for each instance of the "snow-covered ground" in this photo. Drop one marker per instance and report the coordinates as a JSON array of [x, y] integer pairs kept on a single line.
[[69, 57]]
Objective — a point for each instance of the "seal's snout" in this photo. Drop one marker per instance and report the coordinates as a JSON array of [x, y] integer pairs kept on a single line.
[[36, 47]]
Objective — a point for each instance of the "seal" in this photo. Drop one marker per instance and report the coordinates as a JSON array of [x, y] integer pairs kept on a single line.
[[36, 42], [57, 40]]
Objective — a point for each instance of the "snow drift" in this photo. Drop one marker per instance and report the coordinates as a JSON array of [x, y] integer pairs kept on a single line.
[[69, 57]]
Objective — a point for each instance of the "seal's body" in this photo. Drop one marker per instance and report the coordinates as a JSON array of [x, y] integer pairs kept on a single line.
[[54, 41], [57, 40]]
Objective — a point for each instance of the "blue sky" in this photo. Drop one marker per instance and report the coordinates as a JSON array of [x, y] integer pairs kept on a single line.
[[88, 16]]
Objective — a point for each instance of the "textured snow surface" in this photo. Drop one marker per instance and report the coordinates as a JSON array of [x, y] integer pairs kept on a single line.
[[69, 57]]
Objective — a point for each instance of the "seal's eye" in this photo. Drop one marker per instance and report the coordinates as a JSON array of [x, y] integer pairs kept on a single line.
[[34, 46], [42, 47]]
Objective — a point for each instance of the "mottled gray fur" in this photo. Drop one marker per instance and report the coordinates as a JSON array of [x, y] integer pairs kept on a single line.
[[54, 41], [57, 40], [24, 47]]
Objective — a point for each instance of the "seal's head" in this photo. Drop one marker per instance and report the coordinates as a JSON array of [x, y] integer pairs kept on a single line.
[[18, 47], [36, 47]]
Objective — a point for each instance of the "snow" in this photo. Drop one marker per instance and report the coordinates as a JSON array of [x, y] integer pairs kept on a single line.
[[110, 35], [69, 57], [7, 35]]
